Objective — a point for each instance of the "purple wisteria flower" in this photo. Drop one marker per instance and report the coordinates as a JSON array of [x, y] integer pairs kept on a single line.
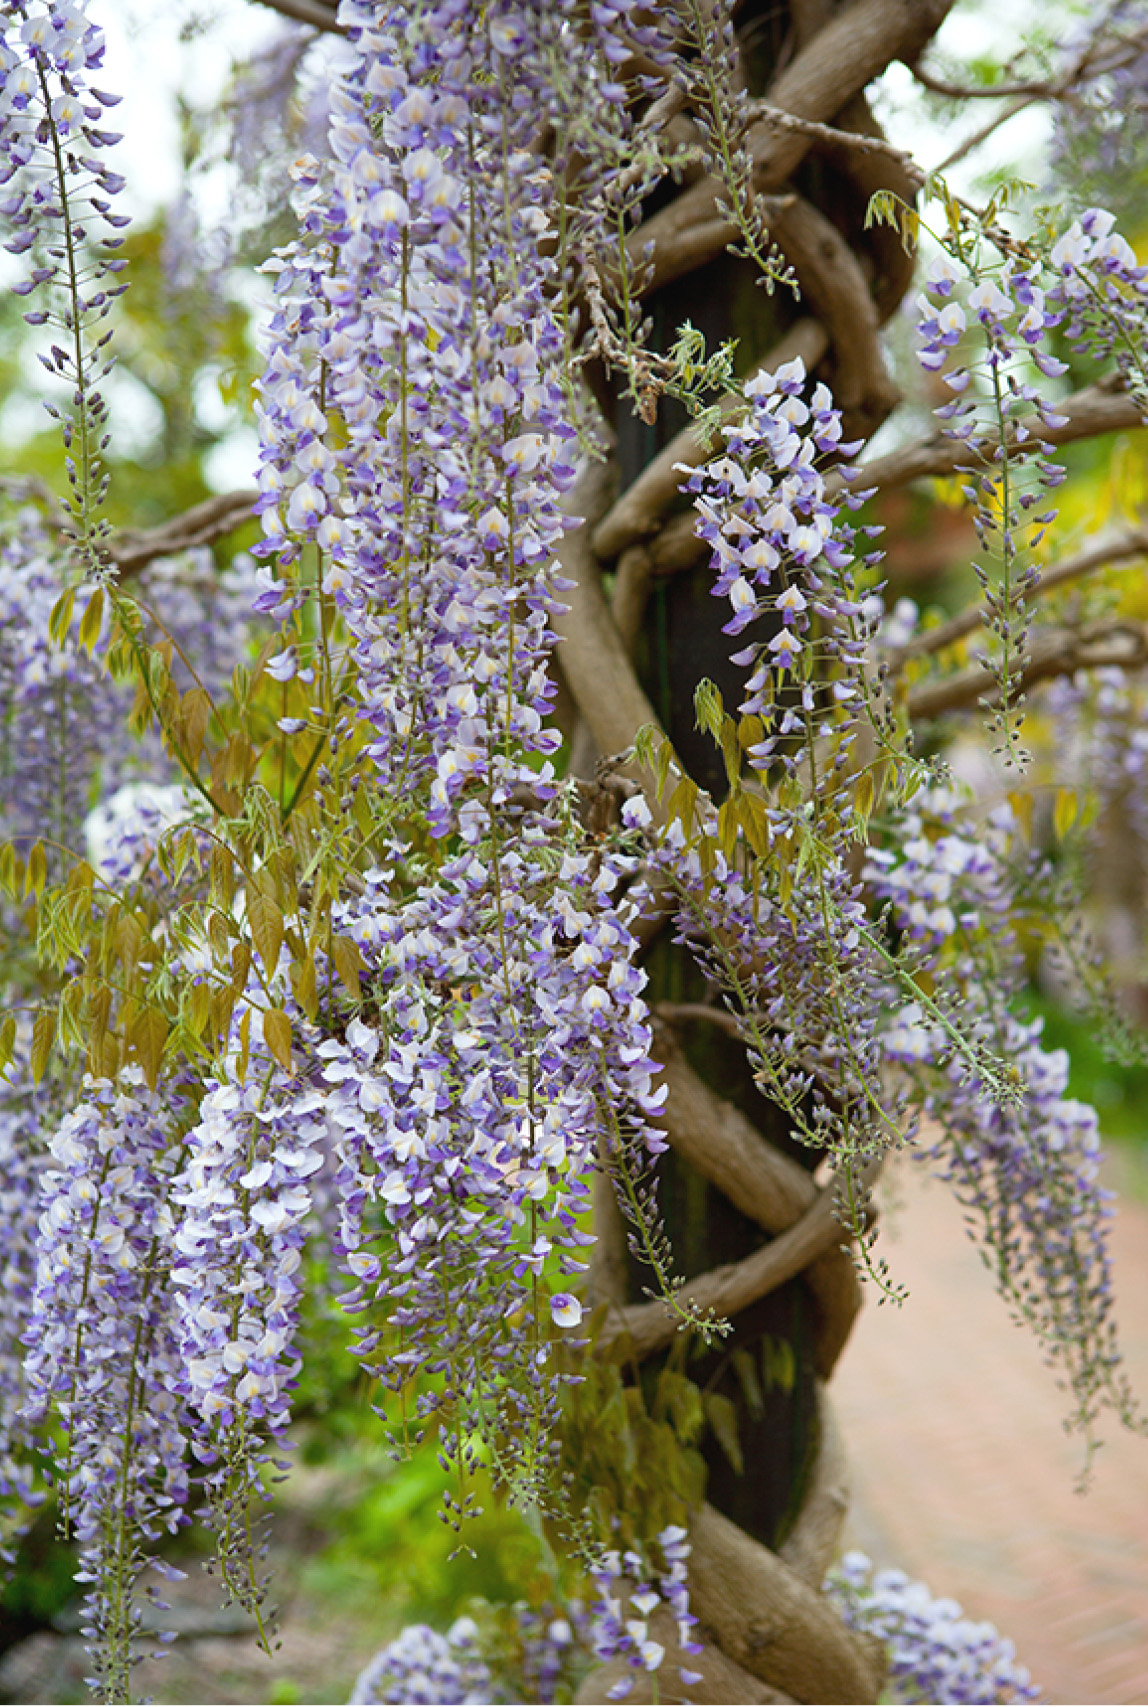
[[102, 1349], [1025, 1163], [62, 717], [935, 1652], [57, 192], [511, 1048], [422, 1666], [630, 1591], [984, 323]]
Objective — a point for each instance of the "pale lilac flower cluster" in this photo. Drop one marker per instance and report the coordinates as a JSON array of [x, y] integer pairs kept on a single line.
[[1021, 1156], [25, 1109], [468, 1121], [61, 717], [245, 1193], [935, 1652], [1102, 722], [421, 1666], [996, 416], [547, 1648], [418, 305], [780, 547], [1100, 130], [630, 1591], [800, 973], [1091, 287], [57, 202], [447, 379], [46, 54], [123, 832], [1102, 292], [102, 1348]]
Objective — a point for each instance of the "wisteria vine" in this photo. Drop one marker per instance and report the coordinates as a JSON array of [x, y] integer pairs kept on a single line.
[[355, 977]]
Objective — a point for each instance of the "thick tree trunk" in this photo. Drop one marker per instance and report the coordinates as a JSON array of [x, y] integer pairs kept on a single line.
[[748, 1226]]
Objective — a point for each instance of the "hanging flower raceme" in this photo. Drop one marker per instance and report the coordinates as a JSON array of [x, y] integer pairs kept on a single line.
[[58, 193], [782, 551], [103, 1356], [61, 717], [470, 1118], [1025, 1164], [510, 1049], [1004, 310], [795, 959], [25, 1109]]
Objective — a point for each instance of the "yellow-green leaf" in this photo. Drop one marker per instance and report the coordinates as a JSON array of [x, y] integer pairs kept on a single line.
[[60, 616], [197, 1007], [43, 1036], [348, 962], [1064, 812], [92, 620], [303, 984], [36, 874], [196, 710], [149, 1033], [277, 1035], [7, 1041], [866, 795], [266, 921]]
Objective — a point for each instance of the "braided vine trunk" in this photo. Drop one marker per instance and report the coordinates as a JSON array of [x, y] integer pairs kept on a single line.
[[750, 1229]]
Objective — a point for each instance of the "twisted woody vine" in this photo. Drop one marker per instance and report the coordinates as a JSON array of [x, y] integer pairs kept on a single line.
[[370, 919]]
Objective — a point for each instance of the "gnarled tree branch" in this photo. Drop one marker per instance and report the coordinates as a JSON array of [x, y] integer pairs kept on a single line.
[[768, 1619], [201, 525], [839, 61], [811, 1545], [966, 622], [646, 1328], [1055, 652]]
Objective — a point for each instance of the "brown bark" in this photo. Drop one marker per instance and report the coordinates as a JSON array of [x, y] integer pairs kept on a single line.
[[811, 1545], [203, 524], [641, 1329], [852, 49], [1055, 652], [770, 1621]]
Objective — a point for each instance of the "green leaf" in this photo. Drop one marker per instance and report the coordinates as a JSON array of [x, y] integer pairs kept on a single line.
[[147, 1037], [36, 874], [266, 921], [60, 617], [709, 710], [304, 986], [7, 1041], [92, 620], [43, 1036], [277, 1036], [721, 1414], [348, 962]]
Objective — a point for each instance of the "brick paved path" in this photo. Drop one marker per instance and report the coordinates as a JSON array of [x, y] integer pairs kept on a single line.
[[963, 1476]]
